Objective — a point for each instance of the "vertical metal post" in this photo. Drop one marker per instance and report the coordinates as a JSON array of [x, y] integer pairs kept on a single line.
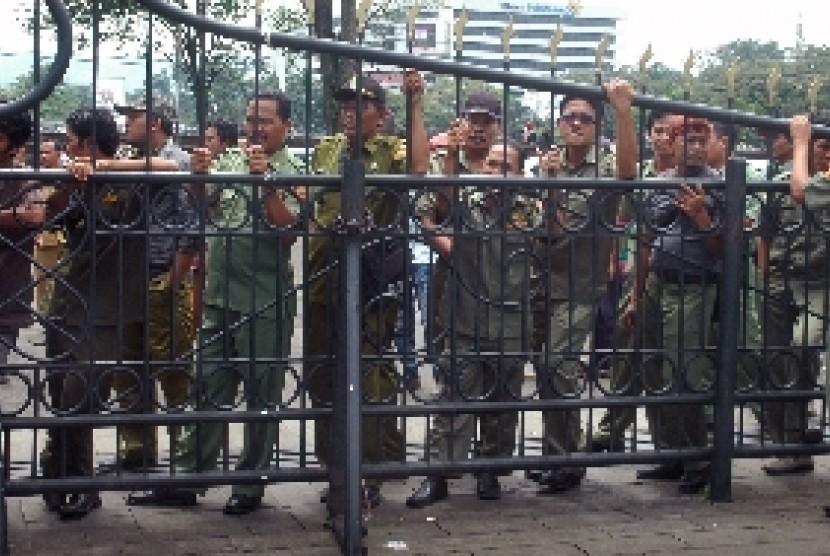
[[730, 306], [353, 206]]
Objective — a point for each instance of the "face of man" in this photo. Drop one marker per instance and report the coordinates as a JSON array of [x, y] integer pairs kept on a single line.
[[213, 143], [136, 130], [483, 130], [660, 137], [578, 123], [821, 155], [264, 125], [716, 153], [371, 117], [49, 155], [782, 148], [501, 160], [692, 148], [75, 146], [6, 153]]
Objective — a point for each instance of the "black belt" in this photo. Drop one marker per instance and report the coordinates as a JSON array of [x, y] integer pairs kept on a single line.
[[675, 276]]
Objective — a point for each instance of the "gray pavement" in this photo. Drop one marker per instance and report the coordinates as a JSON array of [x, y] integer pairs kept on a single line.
[[610, 513]]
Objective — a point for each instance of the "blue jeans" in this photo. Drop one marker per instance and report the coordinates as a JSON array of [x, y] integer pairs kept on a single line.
[[405, 324]]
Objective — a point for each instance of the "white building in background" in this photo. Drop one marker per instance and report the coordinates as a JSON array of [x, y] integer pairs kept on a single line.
[[534, 23]]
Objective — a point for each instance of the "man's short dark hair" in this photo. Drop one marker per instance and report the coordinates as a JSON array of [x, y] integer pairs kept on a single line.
[[99, 123], [17, 128], [228, 132], [282, 100], [165, 123], [822, 117], [570, 98], [655, 116]]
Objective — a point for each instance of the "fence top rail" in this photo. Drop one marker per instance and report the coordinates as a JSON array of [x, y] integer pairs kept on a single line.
[[48, 82], [362, 53], [392, 182]]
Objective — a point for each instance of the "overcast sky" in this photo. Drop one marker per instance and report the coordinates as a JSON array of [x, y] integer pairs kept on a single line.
[[673, 27]]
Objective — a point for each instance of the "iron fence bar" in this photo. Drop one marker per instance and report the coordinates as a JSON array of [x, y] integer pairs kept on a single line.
[[295, 414], [730, 306], [353, 212], [379, 56], [392, 181]]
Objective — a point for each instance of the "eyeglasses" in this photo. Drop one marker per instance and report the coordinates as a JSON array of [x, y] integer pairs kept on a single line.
[[578, 117]]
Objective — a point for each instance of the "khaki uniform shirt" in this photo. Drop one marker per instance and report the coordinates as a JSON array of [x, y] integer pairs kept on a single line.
[[795, 233], [491, 262], [248, 267], [381, 155], [576, 260]]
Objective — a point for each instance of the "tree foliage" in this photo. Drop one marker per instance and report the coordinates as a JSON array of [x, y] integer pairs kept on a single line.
[[202, 70]]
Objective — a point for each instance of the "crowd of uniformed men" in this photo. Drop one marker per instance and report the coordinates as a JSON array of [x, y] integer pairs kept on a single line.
[[516, 275]]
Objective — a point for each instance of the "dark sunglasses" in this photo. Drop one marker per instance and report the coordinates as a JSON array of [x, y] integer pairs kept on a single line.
[[581, 117]]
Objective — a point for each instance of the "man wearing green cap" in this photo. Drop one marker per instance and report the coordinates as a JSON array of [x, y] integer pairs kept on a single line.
[[382, 440], [170, 313]]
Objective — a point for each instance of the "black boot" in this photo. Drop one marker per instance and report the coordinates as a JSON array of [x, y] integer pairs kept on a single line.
[[663, 472], [166, 497], [431, 490], [78, 506], [488, 487], [694, 481], [560, 480]]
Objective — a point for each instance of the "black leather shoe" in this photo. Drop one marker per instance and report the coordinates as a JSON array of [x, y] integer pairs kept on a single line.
[[432, 490], [371, 496], [167, 497], [78, 506], [488, 487], [603, 443], [663, 472], [694, 481], [813, 436], [559, 480], [54, 501], [242, 504]]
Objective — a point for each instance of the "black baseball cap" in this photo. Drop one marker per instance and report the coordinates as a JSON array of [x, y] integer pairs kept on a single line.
[[160, 107], [482, 103], [369, 90]]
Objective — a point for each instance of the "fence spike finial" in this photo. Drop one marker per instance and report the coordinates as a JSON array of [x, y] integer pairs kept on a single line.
[[772, 85], [506, 35], [644, 60], [687, 71], [411, 16], [602, 47], [458, 29], [362, 15], [731, 75], [812, 93], [555, 40]]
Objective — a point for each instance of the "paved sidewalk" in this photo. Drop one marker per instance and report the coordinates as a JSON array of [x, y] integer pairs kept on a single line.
[[609, 514]]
